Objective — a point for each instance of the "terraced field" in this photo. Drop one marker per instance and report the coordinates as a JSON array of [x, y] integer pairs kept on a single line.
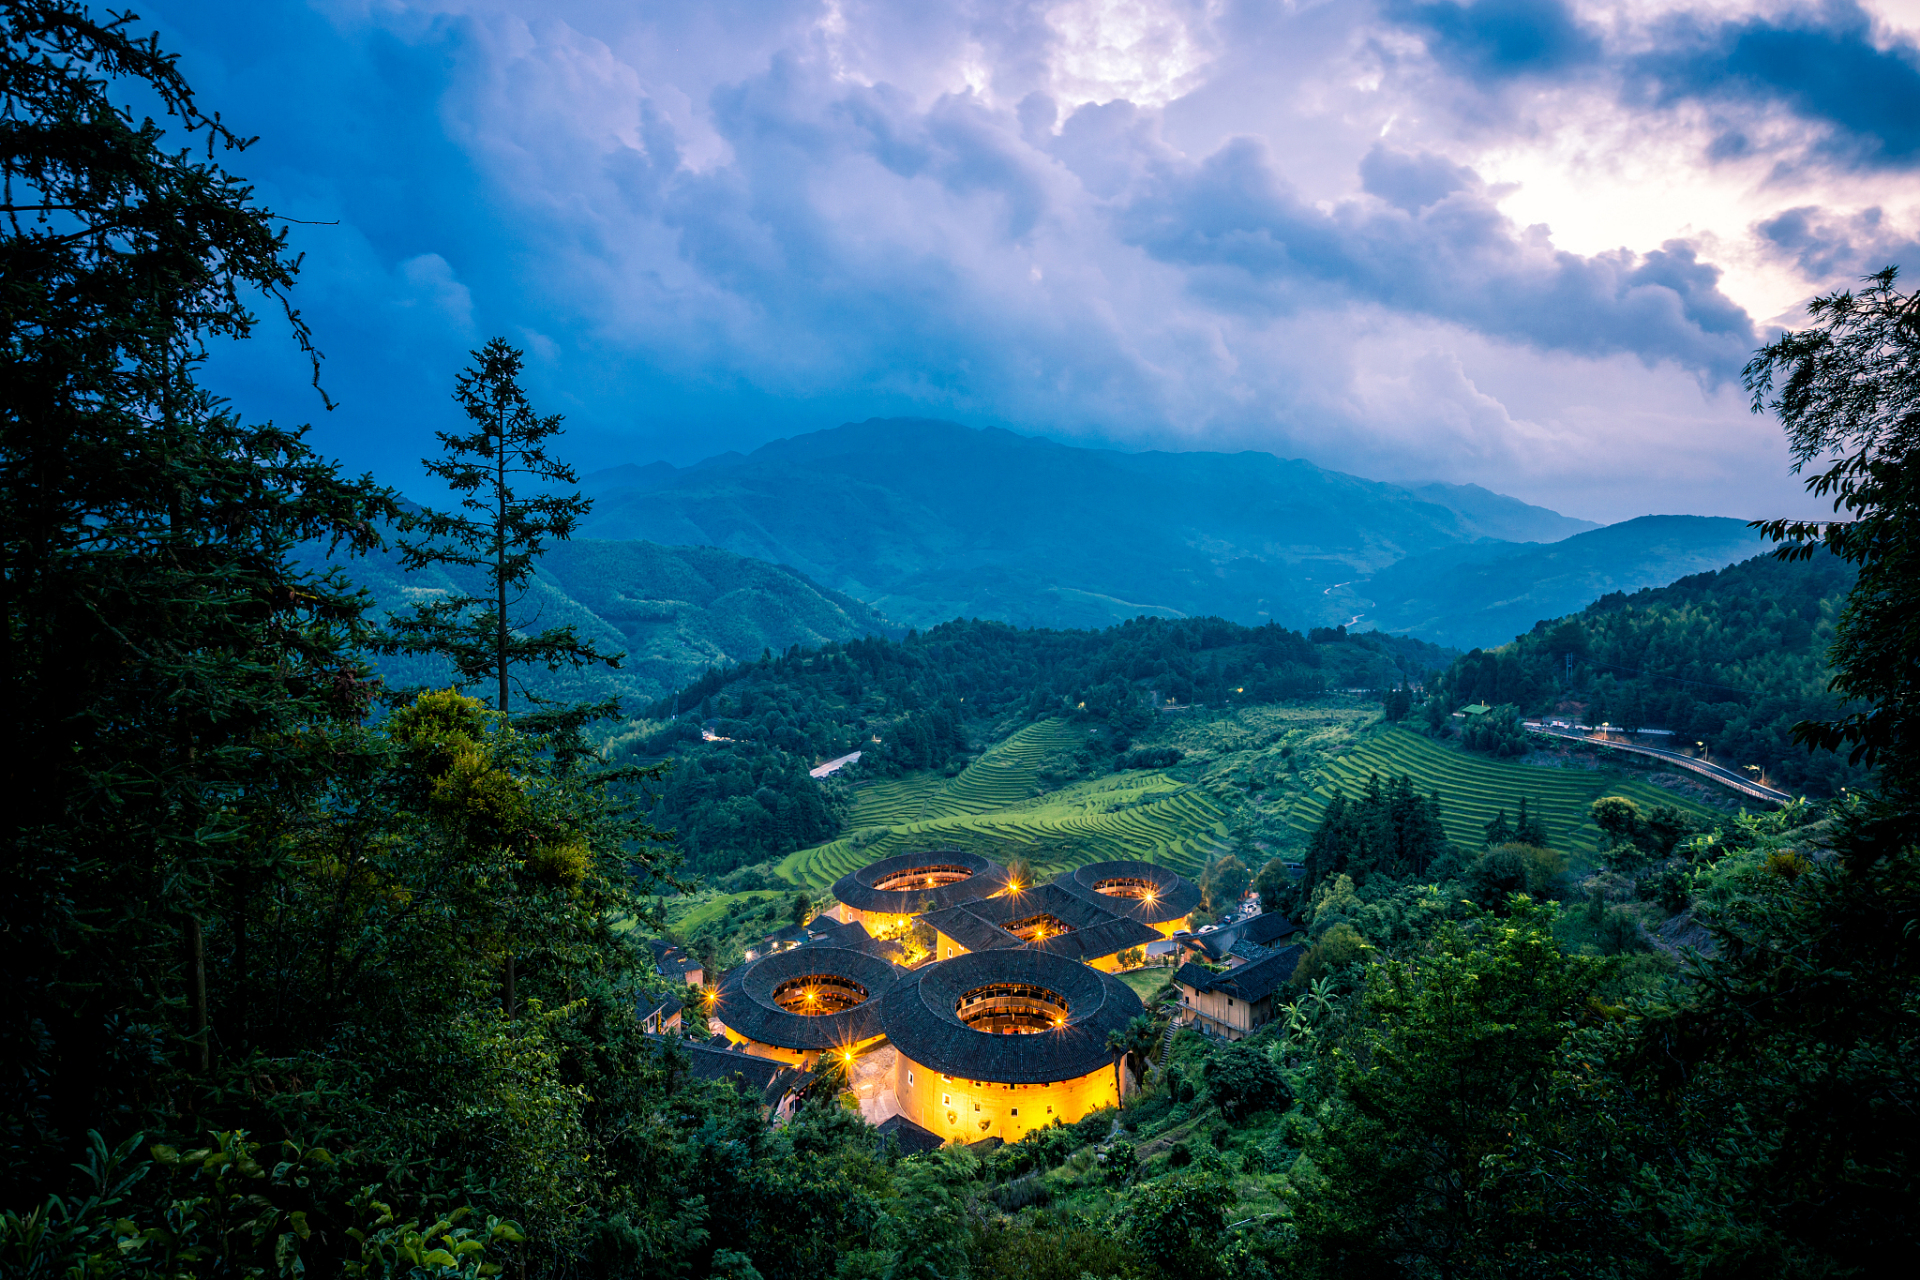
[[991, 808], [1472, 789]]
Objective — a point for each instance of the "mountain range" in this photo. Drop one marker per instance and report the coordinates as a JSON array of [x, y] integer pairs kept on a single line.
[[930, 520], [1487, 592], [872, 527]]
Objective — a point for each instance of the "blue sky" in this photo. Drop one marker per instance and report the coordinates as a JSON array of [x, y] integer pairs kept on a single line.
[[1522, 244]]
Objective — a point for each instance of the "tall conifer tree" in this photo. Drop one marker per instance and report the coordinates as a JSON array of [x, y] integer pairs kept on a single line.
[[505, 479]]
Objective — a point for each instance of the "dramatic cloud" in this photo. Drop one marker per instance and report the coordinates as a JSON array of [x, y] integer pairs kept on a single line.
[[1518, 243]]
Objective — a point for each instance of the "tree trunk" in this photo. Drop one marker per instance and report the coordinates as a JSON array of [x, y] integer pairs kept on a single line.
[[197, 976], [500, 559]]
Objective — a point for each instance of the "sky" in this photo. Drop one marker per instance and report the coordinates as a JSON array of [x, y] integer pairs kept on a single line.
[[1527, 244]]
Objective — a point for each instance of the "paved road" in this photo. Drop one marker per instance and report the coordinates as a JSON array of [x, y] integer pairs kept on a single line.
[[1706, 768]]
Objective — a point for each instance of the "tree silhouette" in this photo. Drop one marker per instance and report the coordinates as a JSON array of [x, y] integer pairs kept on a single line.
[[504, 475]]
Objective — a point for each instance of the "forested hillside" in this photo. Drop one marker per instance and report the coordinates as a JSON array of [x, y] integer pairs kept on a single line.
[[1733, 659], [1486, 593], [673, 611], [739, 792]]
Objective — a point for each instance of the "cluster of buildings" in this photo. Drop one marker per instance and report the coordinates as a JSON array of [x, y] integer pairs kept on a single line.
[[1004, 1028]]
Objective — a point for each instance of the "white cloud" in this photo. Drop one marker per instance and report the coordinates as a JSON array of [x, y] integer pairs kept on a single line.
[[952, 208]]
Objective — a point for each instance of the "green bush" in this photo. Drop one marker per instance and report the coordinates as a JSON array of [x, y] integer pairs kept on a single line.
[[1242, 1079]]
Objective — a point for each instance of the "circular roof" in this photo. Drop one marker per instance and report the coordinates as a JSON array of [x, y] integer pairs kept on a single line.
[[1174, 896], [745, 1001], [982, 879], [920, 1016]]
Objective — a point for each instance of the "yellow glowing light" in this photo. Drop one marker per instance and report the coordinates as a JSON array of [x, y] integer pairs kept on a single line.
[[811, 997]]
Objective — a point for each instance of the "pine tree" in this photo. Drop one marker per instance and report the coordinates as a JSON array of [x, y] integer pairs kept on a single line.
[[502, 470], [1497, 831], [1527, 828]]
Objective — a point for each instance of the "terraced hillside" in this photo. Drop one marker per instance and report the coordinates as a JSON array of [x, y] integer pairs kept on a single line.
[[1473, 789], [994, 808]]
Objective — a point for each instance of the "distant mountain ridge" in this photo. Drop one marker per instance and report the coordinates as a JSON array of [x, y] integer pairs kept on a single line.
[[674, 611], [929, 520], [1486, 593], [1495, 515]]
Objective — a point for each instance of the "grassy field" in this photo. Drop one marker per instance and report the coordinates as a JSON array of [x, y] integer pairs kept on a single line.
[[996, 807], [1146, 981], [1473, 788]]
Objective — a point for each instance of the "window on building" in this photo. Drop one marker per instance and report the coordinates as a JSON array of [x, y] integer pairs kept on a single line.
[[1016, 1111], [946, 1099], [909, 1077]]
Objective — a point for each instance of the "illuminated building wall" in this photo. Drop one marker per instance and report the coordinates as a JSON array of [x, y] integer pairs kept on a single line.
[[969, 1110]]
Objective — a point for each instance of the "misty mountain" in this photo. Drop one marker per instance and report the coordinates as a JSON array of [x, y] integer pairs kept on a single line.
[[1486, 593], [674, 611], [930, 520], [1495, 515]]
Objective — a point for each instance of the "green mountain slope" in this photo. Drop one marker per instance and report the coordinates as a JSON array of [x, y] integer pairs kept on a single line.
[[1488, 592], [1731, 659], [674, 611], [930, 520]]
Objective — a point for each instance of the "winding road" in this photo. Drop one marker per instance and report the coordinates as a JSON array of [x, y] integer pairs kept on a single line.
[[1706, 768]]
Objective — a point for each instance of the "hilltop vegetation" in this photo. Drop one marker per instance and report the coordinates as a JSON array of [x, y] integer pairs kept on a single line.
[[1733, 659]]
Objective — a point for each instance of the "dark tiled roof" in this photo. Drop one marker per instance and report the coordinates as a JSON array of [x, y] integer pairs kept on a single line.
[[669, 961], [854, 937], [1261, 930], [1100, 940], [767, 1077], [920, 1019], [1249, 982], [1095, 931], [1175, 895], [1195, 975], [664, 1005], [795, 933], [913, 1139], [745, 999], [972, 931], [1268, 928], [857, 891]]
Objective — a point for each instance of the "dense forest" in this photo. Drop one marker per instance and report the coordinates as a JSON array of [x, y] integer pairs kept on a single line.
[[741, 740], [308, 976], [1733, 659]]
